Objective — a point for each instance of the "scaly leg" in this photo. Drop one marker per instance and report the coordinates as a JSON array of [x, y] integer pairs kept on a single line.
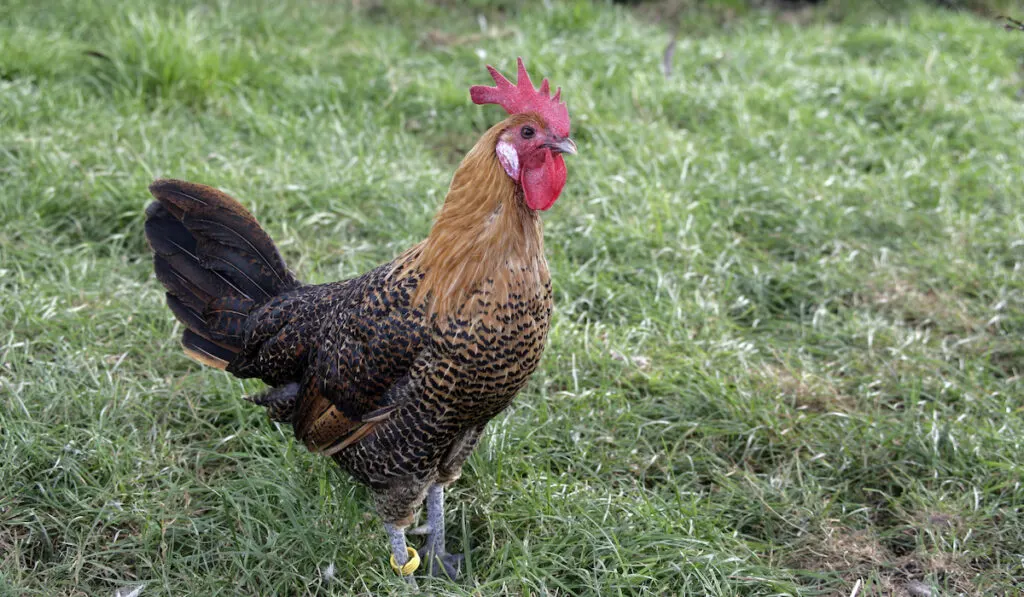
[[439, 561], [399, 551]]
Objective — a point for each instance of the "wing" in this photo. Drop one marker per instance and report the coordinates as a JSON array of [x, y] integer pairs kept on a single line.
[[361, 368], [281, 335]]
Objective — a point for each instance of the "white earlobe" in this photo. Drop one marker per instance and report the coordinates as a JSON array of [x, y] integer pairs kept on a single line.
[[509, 159]]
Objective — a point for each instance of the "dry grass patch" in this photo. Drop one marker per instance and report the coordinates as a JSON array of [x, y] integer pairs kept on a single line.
[[860, 555], [803, 389], [926, 309]]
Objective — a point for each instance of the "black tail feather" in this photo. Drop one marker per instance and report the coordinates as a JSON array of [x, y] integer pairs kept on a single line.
[[205, 351], [216, 263], [192, 283]]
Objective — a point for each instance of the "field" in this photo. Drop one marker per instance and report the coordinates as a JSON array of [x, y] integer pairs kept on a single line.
[[786, 357]]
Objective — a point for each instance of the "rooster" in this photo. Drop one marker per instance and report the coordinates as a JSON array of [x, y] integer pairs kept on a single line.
[[395, 373]]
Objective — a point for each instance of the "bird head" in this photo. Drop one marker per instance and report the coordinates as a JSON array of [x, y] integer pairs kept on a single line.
[[534, 137]]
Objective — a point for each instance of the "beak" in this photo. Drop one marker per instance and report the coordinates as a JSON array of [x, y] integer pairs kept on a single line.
[[561, 145]]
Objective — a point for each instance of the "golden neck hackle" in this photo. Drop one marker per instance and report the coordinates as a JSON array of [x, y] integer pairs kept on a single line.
[[484, 237]]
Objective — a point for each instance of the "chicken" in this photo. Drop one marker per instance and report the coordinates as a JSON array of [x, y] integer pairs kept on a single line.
[[395, 373]]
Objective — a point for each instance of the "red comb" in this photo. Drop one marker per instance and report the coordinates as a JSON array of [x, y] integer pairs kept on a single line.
[[522, 97]]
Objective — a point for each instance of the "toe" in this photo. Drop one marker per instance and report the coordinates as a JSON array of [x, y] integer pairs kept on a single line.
[[423, 529], [445, 565]]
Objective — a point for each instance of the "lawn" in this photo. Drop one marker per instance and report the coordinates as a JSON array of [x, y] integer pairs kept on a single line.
[[786, 356]]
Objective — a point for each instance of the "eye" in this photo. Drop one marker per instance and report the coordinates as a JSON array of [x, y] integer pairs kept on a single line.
[[527, 132]]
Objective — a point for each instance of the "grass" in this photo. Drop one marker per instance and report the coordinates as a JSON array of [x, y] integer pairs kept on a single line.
[[786, 357]]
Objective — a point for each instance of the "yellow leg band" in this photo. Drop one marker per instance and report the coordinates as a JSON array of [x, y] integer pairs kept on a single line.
[[409, 567]]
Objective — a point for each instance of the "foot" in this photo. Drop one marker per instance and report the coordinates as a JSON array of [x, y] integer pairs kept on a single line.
[[443, 564]]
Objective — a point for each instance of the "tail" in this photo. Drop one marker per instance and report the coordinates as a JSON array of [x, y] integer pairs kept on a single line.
[[216, 263]]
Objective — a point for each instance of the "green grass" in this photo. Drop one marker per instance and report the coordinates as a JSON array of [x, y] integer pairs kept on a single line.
[[787, 352]]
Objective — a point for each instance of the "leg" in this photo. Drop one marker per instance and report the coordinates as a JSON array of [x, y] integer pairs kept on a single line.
[[439, 561], [399, 551], [438, 558]]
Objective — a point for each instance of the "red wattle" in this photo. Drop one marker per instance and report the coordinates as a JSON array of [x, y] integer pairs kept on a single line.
[[543, 184]]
